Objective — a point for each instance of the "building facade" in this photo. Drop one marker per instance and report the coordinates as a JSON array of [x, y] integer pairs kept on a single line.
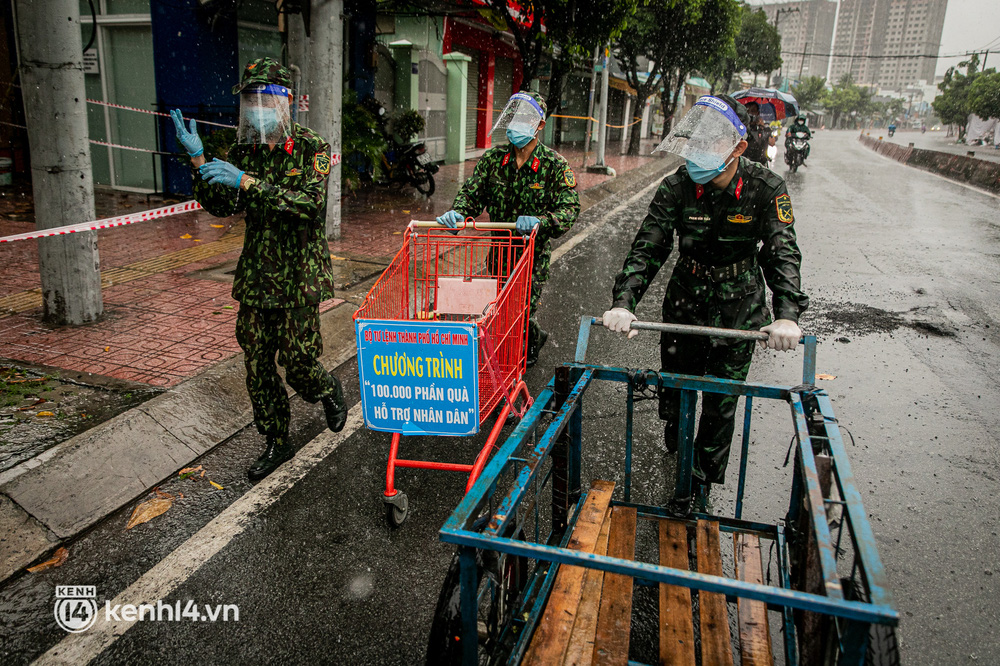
[[809, 30], [885, 42]]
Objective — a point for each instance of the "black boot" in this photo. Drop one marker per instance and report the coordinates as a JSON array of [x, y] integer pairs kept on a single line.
[[333, 404], [670, 437], [536, 340], [277, 451], [702, 501]]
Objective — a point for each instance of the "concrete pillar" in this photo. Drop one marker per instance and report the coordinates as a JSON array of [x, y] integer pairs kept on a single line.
[[325, 54], [646, 113], [627, 122], [407, 76], [55, 107], [458, 73]]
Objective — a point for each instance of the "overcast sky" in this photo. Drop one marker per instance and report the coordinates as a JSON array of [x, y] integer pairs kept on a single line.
[[968, 25]]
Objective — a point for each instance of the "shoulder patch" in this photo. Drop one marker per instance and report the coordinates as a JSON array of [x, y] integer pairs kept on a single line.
[[321, 163], [569, 177], [783, 204]]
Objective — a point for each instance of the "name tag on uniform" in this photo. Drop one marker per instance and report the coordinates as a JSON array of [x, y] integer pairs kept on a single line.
[[699, 218]]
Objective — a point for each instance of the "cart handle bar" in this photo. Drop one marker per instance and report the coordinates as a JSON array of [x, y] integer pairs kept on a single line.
[[808, 361], [430, 224]]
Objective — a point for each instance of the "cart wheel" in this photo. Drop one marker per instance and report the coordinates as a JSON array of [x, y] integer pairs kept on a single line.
[[508, 575], [883, 647], [396, 508]]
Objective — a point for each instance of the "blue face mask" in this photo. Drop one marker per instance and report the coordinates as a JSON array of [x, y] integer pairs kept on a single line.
[[518, 138], [265, 121], [702, 175]]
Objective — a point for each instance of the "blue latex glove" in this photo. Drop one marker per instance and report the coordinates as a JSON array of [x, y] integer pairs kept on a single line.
[[526, 223], [451, 219], [188, 137], [220, 172]]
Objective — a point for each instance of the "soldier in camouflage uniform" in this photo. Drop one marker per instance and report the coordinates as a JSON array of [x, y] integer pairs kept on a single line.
[[532, 185], [277, 173], [735, 236]]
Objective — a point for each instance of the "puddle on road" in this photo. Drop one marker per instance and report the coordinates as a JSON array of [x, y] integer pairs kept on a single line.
[[38, 410]]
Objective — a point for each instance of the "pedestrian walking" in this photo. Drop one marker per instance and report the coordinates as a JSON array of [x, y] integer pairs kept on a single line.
[[525, 182], [277, 174], [759, 136], [734, 222]]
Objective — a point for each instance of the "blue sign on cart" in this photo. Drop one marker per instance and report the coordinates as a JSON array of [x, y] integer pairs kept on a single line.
[[419, 378]]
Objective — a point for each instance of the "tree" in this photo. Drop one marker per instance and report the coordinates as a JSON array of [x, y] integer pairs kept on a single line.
[[952, 105], [984, 95], [810, 91], [574, 28], [844, 98], [756, 48]]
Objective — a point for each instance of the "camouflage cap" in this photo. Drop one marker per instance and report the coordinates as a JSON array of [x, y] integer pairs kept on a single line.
[[263, 70], [737, 106], [538, 98]]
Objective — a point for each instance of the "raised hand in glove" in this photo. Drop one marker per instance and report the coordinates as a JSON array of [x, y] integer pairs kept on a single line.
[[784, 335], [619, 320], [188, 137], [451, 219], [219, 172], [526, 223]]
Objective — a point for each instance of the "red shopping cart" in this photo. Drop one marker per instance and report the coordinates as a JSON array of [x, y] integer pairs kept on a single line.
[[446, 303]]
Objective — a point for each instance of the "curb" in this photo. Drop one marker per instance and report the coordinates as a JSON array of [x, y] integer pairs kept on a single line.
[[977, 173], [69, 488]]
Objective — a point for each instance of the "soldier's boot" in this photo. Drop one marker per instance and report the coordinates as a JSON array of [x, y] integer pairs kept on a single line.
[[276, 451], [333, 405], [702, 499], [536, 340]]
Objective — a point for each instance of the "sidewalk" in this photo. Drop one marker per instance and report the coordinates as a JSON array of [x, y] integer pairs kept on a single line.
[[169, 321]]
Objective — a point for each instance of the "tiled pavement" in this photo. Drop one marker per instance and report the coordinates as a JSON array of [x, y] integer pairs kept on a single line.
[[167, 316]]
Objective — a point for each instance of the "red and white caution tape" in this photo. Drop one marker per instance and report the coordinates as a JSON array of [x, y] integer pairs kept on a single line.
[[107, 223], [116, 145], [154, 113]]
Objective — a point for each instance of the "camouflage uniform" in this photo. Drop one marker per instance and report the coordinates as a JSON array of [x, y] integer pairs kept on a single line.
[[544, 187], [284, 270], [749, 225]]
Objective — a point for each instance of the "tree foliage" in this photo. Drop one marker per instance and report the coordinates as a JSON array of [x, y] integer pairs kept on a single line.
[[809, 92], [756, 48], [984, 95], [952, 105]]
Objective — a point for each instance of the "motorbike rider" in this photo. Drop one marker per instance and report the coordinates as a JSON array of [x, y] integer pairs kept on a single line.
[[798, 127], [892, 128]]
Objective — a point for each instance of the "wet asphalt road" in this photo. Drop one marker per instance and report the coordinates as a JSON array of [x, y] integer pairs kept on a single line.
[[902, 269]]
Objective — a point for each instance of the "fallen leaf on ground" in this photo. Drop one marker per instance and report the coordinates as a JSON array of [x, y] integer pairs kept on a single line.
[[197, 240], [336, 258], [107, 349], [215, 485], [227, 307], [40, 401], [147, 511], [188, 472], [162, 495], [396, 233], [58, 559], [44, 414], [202, 475], [217, 226], [26, 381], [186, 236], [407, 212], [825, 376]]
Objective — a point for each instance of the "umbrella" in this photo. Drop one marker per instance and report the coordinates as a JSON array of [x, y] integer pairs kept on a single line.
[[774, 104]]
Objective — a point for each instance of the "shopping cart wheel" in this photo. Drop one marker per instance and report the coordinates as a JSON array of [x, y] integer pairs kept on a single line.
[[396, 508]]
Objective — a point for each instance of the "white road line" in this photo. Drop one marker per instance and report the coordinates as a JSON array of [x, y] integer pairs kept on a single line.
[[168, 574], [560, 251], [178, 566]]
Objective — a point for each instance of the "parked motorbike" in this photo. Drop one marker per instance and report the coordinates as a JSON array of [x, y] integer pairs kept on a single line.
[[795, 150], [408, 164]]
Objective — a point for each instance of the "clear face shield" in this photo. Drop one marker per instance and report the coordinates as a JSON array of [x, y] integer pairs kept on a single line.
[[522, 114], [265, 114], [707, 135]]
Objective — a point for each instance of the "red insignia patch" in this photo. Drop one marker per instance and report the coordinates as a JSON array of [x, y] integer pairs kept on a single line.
[[698, 191], [739, 188], [535, 163], [506, 158], [289, 145]]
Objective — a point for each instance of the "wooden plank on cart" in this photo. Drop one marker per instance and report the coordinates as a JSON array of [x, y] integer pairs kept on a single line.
[[676, 623], [755, 632], [581, 640], [713, 612], [551, 638], [615, 619]]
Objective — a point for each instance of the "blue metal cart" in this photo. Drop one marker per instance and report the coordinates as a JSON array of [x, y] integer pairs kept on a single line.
[[510, 598]]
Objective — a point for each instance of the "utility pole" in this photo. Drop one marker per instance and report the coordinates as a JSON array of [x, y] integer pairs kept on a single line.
[[590, 107], [320, 58], [55, 106], [777, 17], [602, 119], [802, 62]]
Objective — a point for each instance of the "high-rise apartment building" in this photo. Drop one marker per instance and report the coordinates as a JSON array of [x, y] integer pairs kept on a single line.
[[882, 42], [806, 27]]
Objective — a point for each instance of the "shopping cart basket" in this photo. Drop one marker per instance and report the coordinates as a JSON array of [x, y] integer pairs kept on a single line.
[[441, 341]]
